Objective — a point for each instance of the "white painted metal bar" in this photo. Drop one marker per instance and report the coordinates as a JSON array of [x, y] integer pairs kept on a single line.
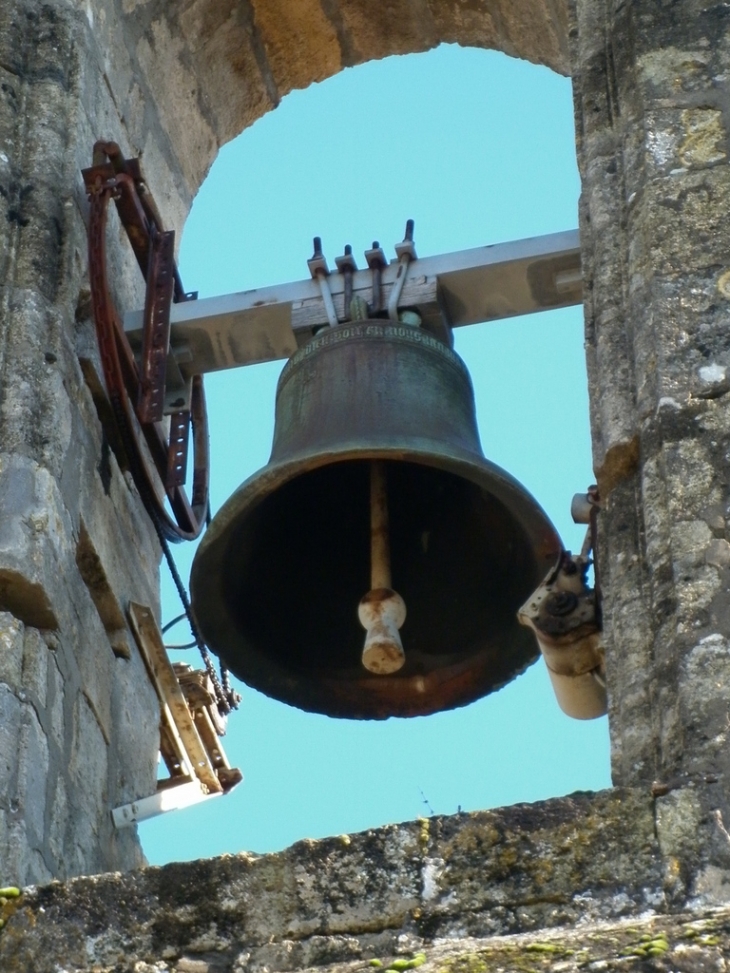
[[171, 799], [468, 287]]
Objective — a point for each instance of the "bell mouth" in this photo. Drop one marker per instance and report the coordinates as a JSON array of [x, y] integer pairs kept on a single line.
[[279, 575]]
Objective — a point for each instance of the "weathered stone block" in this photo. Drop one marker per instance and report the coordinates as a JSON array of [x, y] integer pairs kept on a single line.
[[56, 705], [88, 792], [35, 666], [135, 718], [32, 776], [229, 44], [10, 728], [60, 825], [539, 856], [24, 860], [160, 59], [4, 851], [36, 410], [34, 541], [706, 669], [687, 233], [87, 663], [11, 650], [388, 892]]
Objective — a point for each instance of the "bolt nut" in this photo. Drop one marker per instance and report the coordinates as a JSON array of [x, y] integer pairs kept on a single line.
[[561, 603]]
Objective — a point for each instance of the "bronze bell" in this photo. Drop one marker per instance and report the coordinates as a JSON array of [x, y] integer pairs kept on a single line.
[[280, 573]]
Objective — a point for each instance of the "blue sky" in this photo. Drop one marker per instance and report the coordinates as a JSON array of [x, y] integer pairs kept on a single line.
[[477, 148]]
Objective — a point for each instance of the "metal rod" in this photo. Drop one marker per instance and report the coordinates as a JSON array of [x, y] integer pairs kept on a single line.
[[319, 271], [406, 252], [397, 288], [376, 264], [382, 611], [379, 527], [348, 271], [329, 306]]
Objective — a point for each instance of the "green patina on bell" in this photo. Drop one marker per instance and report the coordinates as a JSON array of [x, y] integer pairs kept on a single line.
[[280, 573]]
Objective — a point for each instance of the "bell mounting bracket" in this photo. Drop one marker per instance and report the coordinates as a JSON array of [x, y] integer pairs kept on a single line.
[[146, 389], [449, 290]]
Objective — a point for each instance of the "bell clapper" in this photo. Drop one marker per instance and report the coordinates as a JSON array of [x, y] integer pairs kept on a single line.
[[381, 611]]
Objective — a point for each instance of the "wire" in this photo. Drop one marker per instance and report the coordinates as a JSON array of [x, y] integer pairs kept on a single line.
[[182, 645], [178, 618], [226, 697]]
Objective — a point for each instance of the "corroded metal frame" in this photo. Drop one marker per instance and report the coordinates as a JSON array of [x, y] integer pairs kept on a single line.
[[156, 458], [190, 731]]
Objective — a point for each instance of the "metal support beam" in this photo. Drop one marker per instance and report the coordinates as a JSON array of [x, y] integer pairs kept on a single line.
[[190, 727], [466, 287]]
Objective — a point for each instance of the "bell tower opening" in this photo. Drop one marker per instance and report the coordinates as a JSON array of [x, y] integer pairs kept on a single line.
[[478, 148]]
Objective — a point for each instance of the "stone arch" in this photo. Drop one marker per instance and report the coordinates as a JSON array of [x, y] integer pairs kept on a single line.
[[212, 67], [172, 81]]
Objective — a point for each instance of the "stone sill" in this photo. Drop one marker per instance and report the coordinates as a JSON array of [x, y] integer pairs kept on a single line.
[[581, 873]]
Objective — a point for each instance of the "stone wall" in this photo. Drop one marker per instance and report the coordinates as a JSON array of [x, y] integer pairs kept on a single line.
[[170, 82], [387, 894], [78, 719], [652, 94]]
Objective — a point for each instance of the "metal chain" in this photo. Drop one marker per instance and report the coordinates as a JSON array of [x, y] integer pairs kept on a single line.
[[227, 699]]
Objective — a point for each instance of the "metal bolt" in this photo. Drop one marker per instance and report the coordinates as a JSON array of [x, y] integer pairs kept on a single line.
[[561, 603]]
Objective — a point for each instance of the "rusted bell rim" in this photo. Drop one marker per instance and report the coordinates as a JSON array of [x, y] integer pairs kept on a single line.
[[375, 696]]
